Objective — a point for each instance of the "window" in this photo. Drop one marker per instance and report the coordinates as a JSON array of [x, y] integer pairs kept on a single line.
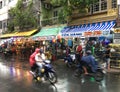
[[114, 3], [99, 6], [4, 25], [96, 7], [0, 4], [4, 3], [103, 4], [55, 14]]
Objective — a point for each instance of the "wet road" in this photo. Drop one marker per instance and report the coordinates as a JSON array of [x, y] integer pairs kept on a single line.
[[15, 77]]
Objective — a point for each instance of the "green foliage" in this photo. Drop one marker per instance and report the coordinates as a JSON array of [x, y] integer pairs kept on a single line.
[[10, 27], [22, 17], [69, 6]]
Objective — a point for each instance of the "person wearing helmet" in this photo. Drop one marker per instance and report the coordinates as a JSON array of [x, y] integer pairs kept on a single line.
[[32, 61], [40, 58], [89, 60]]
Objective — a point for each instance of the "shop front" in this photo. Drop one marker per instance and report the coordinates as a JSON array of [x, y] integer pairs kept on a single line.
[[20, 42], [19, 34], [89, 30], [49, 39]]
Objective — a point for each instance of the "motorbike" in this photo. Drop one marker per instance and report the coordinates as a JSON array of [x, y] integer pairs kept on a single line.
[[98, 74], [47, 72], [70, 60]]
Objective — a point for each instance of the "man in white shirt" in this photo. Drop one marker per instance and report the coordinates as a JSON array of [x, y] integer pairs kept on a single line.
[[40, 57]]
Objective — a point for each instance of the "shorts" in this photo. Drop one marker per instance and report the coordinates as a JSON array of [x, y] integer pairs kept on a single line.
[[108, 60]]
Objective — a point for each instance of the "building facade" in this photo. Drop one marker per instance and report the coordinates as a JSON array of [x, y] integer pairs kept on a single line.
[[98, 21], [103, 10], [5, 5]]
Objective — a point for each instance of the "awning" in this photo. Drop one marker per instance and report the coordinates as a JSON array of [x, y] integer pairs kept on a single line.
[[52, 31], [93, 27], [26, 33], [19, 34], [8, 35]]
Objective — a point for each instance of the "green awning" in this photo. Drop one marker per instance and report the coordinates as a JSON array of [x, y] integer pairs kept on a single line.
[[52, 31]]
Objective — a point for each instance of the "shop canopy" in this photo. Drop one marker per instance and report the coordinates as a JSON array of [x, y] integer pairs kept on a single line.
[[26, 33], [98, 27], [19, 34], [52, 31], [8, 35]]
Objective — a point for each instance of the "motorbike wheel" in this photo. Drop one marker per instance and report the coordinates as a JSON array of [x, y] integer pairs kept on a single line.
[[99, 75], [69, 65], [78, 73], [52, 77]]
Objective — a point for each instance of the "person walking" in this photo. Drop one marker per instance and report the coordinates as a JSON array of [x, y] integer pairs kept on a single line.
[[107, 57]]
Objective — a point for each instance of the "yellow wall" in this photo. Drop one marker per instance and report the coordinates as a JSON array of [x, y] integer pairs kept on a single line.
[[110, 14]]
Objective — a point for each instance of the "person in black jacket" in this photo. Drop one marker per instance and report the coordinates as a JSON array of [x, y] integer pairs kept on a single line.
[[107, 57]]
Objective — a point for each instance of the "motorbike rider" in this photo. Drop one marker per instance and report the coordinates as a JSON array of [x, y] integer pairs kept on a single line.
[[68, 57], [39, 58], [89, 61], [32, 61], [79, 53]]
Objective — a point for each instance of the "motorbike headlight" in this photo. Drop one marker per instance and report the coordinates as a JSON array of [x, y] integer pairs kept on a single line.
[[38, 78], [42, 70]]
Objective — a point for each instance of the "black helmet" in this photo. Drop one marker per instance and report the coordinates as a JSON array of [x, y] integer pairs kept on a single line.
[[88, 52], [41, 50]]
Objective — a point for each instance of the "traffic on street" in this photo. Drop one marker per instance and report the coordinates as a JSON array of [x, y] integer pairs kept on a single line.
[[15, 77]]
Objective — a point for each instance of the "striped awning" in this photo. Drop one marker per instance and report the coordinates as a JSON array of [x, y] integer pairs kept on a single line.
[[78, 30]]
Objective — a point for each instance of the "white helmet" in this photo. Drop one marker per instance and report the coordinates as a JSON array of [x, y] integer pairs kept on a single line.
[[88, 52]]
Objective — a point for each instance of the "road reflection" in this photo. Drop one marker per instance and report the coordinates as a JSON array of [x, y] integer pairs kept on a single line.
[[11, 71], [66, 82]]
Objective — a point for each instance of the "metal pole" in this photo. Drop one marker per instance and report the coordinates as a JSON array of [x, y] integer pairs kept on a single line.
[[40, 10]]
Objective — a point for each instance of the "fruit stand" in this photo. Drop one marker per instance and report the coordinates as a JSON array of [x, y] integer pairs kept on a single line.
[[115, 56]]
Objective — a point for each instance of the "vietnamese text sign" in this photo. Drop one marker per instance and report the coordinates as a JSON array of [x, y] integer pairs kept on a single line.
[[88, 33], [97, 33]]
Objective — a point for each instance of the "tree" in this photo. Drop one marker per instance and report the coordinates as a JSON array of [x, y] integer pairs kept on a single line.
[[69, 6], [22, 16]]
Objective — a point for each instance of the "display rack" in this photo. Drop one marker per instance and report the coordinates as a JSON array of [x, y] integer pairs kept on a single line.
[[115, 59]]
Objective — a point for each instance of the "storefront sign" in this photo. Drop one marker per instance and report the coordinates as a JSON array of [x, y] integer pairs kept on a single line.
[[41, 38], [105, 33], [88, 33], [50, 37], [117, 36], [117, 30], [97, 33], [63, 35], [76, 34]]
